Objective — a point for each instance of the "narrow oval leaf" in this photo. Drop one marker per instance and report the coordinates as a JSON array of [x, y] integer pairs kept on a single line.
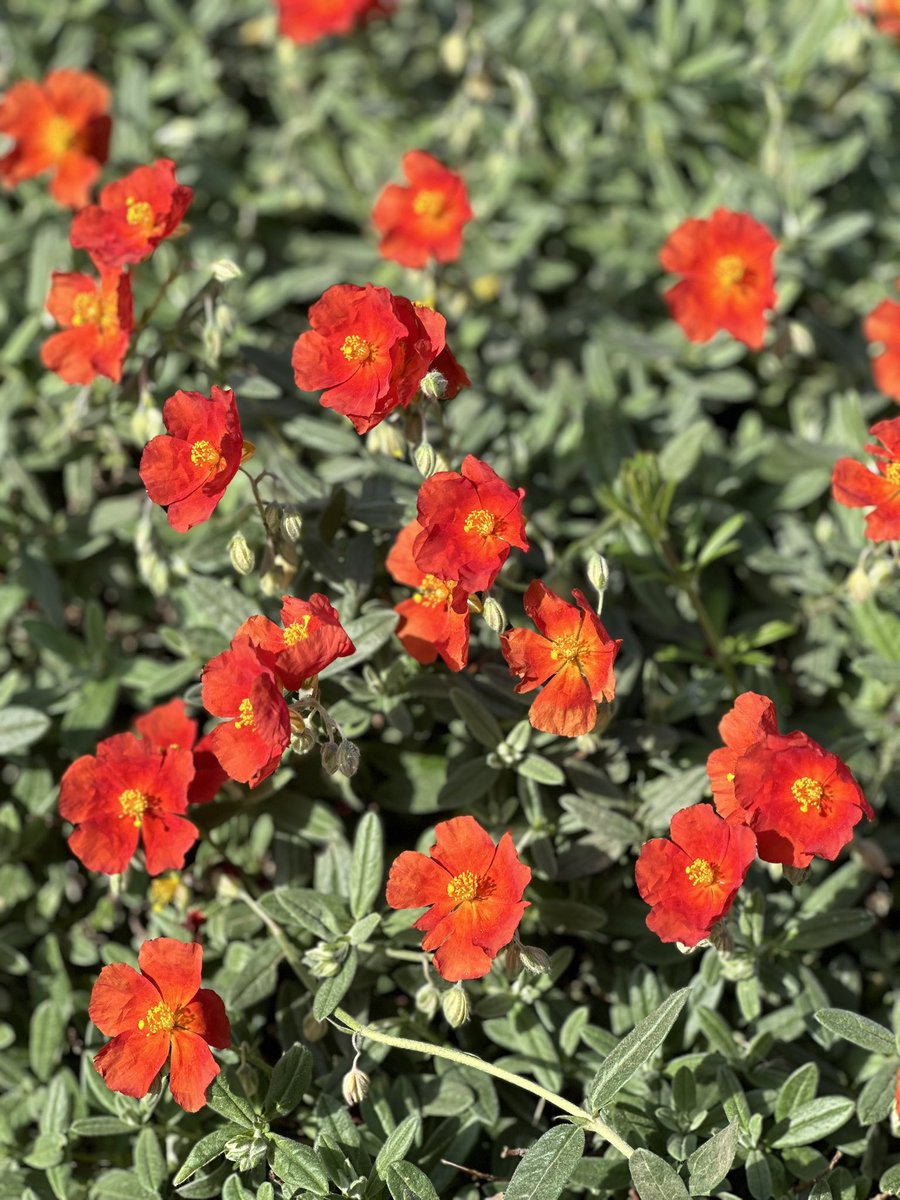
[[547, 1167], [20, 727], [816, 1119], [406, 1182], [289, 1081], [398, 1143], [367, 865], [654, 1179], [204, 1151], [635, 1049], [858, 1030], [711, 1162]]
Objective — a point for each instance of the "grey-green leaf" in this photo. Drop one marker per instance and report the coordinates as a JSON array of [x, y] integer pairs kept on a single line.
[[711, 1162], [635, 1049], [861, 1031], [367, 865], [654, 1179], [406, 1182], [547, 1167], [816, 1119]]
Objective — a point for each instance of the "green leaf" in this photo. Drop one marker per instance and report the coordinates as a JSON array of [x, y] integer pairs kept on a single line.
[[635, 1049], [541, 770], [332, 991], [149, 1161], [796, 1090], [290, 1079], [480, 723], [46, 1038], [759, 1175], [318, 915], [367, 865], [816, 1119], [877, 1097], [297, 1166], [890, 1181], [654, 1179], [720, 541], [221, 1099], [711, 1162], [406, 1182], [368, 634], [100, 1127], [20, 727], [205, 1150], [547, 1167], [859, 1030], [826, 929], [397, 1144]]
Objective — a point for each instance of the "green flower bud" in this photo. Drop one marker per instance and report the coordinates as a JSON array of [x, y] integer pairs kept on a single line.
[[428, 1000], [242, 557], [272, 514], [302, 742], [598, 572], [348, 758], [223, 270], [424, 458], [355, 1087], [330, 756], [434, 385], [246, 1149], [292, 524], [324, 960], [494, 616], [386, 439], [535, 959], [455, 1006], [512, 960]]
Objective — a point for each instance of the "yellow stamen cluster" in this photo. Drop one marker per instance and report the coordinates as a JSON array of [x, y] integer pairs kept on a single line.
[[245, 714], [86, 309], [204, 454], [133, 804], [464, 887], [808, 793], [59, 134], [159, 1019], [428, 203], [139, 212], [356, 348], [566, 646], [730, 270], [892, 474], [702, 873], [433, 591], [481, 521], [297, 631]]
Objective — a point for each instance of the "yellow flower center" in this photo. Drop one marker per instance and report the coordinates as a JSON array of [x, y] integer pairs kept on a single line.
[[566, 646], [433, 591], [86, 309], [730, 270], [481, 521], [204, 454], [297, 631], [59, 135], [159, 1019], [163, 890], [133, 804], [428, 203], [808, 793], [464, 887], [356, 349], [245, 714], [892, 474], [702, 873], [730, 776], [140, 213]]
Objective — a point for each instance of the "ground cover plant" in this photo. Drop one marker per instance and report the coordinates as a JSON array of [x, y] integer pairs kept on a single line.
[[449, 706]]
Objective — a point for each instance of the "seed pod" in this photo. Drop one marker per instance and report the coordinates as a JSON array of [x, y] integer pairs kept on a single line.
[[355, 1086], [455, 1005], [242, 557]]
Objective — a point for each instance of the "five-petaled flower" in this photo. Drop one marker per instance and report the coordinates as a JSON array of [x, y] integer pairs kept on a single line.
[[424, 220], [470, 521], [240, 685], [573, 651], [434, 621], [882, 327], [307, 21], [691, 879], [97, 320], [474, 890], [61, 125], [160, 1011], [728, 280], [130, 791], [748, 722], [190, 468], [133, 216], [168, 727], [858, 487], [309, 638]]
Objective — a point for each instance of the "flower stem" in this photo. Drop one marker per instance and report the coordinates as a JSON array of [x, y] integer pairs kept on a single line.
[[584, 1118]]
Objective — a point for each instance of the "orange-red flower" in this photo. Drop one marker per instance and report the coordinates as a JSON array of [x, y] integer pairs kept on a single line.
[[799, 799], [728, 280], [424, 220], [307, 21], [886, 14], [470, 521], [97, 320], [59, 125], [240, 685], [474, 890], [370, 351], [129, 791], [435, 621], [189, 469], [440, 356], [748, 722], [690, 881], [309, 638], [857, 487], [133, 216], [573, 651], [160, 1011], [882, 326], [168, 727]]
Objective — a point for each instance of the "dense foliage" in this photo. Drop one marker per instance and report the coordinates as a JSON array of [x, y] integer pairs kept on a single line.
[[586, 131]]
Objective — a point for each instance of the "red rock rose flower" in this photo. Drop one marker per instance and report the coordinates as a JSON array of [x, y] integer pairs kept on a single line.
[[474, 890], [886, 14], [573, 651], [752, 717], [161, 1011], [424, 220], [728, 280], [60, 125], [470, 521], [129, 792], [435, 621], [857, 487], [309, 638], [690, 881], [169, 727], [307, 21], [882, 326], [189, 469], [133, 216], [97, 320], [240, 685]]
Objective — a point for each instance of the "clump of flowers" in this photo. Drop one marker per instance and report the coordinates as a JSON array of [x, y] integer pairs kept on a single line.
[[308, 21], [882, 327], [435, 620], [728, 283], [425, 219], [59, 125], [97, 320], [474, 892], [160, 1014], [857, 487]]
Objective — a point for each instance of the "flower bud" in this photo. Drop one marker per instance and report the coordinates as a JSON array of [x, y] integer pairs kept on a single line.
[[386, 439], [598, 572], [292, 524], [455, 1006], [442, 463], [512, 960], [355, 1087], [434, 385], [212, 342], [272, 514], [424, 458], [348, 758], [324, 959], [223, 270], [720, 937], [428, 1000], [146, 420], [330, 753], [535, 959], [494, 616], [314, 1030], [246, 1149], [279, 570], [242, 557], [302, 742], [859, 586], [227, 887]]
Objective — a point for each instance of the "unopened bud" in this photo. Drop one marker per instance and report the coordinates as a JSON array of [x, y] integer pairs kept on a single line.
[[330, 753], [324, 960], [455, 1006], [386, 438], [512, 960], [720, 936], [441, 463], [223, 270], [242, 557], [859, 586], [434, 385], [302, 742], [227, 887], [494, 616], [146, 420], [428, 1000], [292, 524], [598, 572], [246, 1149], [795, 875], [279, 570], [425, 458], [348, 758], [355, 1086], [272, 514], [535, 959], [212, 342], [314, 1030]]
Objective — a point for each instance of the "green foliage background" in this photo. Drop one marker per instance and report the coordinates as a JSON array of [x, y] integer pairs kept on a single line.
[[586, 130]]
